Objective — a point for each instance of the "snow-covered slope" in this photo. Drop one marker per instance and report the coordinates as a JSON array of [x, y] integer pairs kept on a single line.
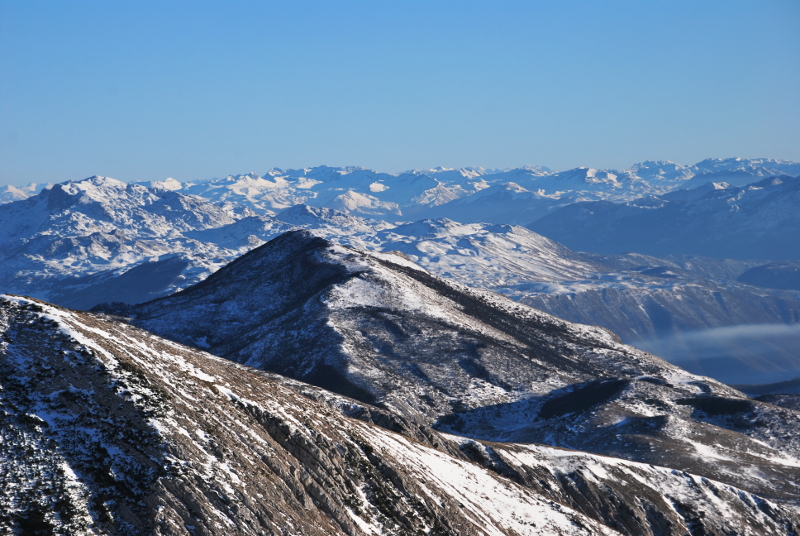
[[356, 190], [381, 329], [507, 203], [110, 430], [83, 228]]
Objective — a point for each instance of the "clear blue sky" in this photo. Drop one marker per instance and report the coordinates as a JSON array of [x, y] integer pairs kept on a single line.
[[144, 90]]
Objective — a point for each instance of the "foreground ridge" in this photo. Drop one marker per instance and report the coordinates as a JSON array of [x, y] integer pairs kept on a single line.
[[108, 429]]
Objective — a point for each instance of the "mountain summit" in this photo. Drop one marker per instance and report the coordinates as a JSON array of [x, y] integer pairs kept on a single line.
[[378, 328]]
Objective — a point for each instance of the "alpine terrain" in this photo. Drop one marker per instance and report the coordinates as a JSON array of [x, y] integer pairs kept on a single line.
[[108, 429], [378, 328], [344, 351], [100, 240]]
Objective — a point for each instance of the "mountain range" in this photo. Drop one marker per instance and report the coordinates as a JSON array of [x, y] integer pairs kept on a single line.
[[100, 240], [267, 360], [756, 221], [417, 194]]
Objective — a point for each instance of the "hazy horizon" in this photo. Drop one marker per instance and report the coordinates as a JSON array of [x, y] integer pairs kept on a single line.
[[262, 172], [147, 90]]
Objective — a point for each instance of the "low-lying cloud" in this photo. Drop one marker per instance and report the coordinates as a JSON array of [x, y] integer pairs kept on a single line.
[[750, 353], [743, 332]]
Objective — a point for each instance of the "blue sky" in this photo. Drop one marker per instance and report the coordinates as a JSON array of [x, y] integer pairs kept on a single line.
[[145, 90]]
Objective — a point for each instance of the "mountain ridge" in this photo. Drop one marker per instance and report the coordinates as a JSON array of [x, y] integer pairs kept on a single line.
[[378, 328], [230, 450]]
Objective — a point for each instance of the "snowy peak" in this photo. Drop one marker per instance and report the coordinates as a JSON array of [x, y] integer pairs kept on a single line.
[[9, 194], [715, 165], [76, 229], [320, 217], [103, 203], [739, 172], [168, 184], [439, 192], [363, 204], [662, 170]]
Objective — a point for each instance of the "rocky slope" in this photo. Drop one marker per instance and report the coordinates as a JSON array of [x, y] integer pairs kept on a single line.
[[110, 430], [378, 328]]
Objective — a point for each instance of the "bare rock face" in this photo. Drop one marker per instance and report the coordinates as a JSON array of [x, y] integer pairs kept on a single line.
[[108, 429]]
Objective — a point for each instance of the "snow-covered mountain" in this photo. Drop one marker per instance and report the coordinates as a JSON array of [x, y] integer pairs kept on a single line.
[[460, 194], [101, 225], [111, 430], [379, 328], [9, 193], [739, 171], [352, 189], [102, 240], [757, 221], [445, 192]]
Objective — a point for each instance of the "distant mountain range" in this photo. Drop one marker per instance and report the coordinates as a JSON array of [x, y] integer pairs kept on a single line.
[[101, 240], [267, 360], [421, 194], [756, 221]]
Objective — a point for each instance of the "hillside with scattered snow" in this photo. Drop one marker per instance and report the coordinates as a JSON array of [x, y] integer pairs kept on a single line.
[[379, 328], [108, 429]]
